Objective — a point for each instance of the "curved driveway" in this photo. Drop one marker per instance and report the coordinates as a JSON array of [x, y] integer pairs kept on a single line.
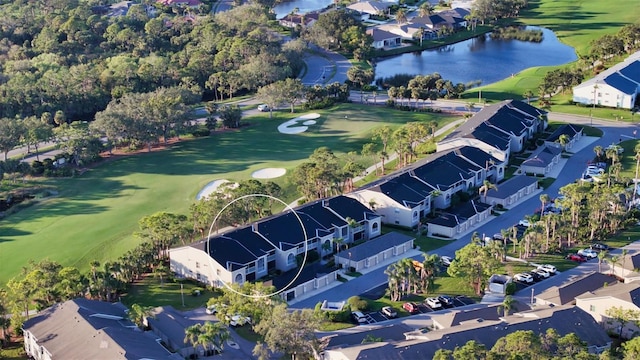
[[613, 131], [324, 67]]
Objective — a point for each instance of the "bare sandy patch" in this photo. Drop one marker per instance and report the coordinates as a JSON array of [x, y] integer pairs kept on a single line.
[[212, 187], [292, 126], [268, 173]]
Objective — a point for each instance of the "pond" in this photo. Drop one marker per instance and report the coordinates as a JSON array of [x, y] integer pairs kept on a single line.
[[304, 6], [482, 58]]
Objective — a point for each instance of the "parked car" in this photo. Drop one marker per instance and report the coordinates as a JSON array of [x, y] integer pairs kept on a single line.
[[211, 310], [541, 272], [599, 246], [576, 258], [410, 307], [446, 300], [536, 277], [446, 260], [389, 312], [239, 320], [433, 303], [523, 277], [619, 149], [359, 317], [263, 107], [524, 222], [548, 268], [589, 253]]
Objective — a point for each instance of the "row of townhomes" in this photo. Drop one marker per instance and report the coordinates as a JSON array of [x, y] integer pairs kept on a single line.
[[616, 87], [579, 305], [271, 249]]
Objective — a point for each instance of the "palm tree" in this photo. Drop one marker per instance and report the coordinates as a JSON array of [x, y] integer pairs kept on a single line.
[[425, 9], [484, 189], [544, 199], [599, 151], [563, 140], [206, 335], [338, 241], [434, 194], [602, 255], [469, 106], [614, 260], [507, 305], [612, 154], [138, 314], [428, 270], [401, 16]]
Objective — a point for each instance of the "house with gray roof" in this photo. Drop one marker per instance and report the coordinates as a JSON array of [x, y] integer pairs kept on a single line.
[[616, 87], [458, 219], [423, 345], [462, 316], [499, 129], [89, 329], [169, 325], [542, 160], [628, 266], [367, 8], [251, 252], [399, 200], [573, 133], [384, 39], [492, 168], [620, 295], [567, 293], [509, 193], [375, 251]]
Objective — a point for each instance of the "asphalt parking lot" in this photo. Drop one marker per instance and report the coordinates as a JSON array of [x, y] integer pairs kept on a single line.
[[376, 316]]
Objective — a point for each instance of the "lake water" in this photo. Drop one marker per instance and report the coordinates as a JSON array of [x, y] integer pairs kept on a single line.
[[304, 6], [481, 58]]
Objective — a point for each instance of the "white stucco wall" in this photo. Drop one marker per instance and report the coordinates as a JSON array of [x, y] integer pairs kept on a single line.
[[391, 211]]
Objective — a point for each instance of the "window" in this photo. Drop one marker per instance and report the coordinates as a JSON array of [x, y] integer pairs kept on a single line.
[[397, 211], [374, 227], [592, 308], [261, 264], [198, 276], [197, 265], [415, 214], [345, 231], [239, 279], [291, 259], [218, 272]]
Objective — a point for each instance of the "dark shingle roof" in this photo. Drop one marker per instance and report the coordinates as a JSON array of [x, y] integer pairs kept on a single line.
[[511, 186], [284, 230], [309, 272], [632, 71], [321, 214], [405, 189], [375, 246], [621, 83], [379, 35], [542, 157], [476, 156], [567, 129], [469, 209], [444, 170], [348, 207], [445, 219], [527, 108]]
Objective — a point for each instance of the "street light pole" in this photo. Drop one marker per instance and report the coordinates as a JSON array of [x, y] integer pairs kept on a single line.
[[595, 87]]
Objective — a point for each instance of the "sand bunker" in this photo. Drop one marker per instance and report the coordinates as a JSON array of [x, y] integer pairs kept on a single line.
[[268, 173], [212, 187], [293, 127]]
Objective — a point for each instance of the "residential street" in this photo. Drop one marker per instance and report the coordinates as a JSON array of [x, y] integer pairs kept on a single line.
[[613, 131]]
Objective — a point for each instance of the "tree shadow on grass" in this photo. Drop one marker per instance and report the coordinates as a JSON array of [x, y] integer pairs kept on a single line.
[[7, 232]]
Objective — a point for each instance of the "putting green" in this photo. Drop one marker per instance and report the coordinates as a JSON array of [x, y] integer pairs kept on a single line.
[[95, 215]]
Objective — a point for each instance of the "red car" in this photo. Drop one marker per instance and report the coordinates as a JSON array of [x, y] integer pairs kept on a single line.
[[576, 257], [410, 307]]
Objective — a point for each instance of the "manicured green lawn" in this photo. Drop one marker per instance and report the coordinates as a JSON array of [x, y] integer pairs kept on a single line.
[[575, 23], [95, 215], [149, 292]]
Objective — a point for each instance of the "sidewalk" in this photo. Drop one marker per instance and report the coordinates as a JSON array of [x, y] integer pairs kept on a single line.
[[383, 264]]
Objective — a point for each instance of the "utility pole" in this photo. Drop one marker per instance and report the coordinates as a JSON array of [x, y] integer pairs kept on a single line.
[[595, 87]]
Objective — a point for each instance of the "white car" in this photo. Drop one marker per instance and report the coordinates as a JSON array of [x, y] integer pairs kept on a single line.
[[548, 268], [239, 320], [542, 273], [524, 223], [263, 107], [360, 317], [522, 277], [433, 303], [389, 312], [589, 253], [446, 260]]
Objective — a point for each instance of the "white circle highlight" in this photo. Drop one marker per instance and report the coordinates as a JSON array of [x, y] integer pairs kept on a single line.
[[306, 245]]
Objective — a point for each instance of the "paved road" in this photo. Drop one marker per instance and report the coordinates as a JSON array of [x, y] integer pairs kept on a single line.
[[613, 132], [324, 67]]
